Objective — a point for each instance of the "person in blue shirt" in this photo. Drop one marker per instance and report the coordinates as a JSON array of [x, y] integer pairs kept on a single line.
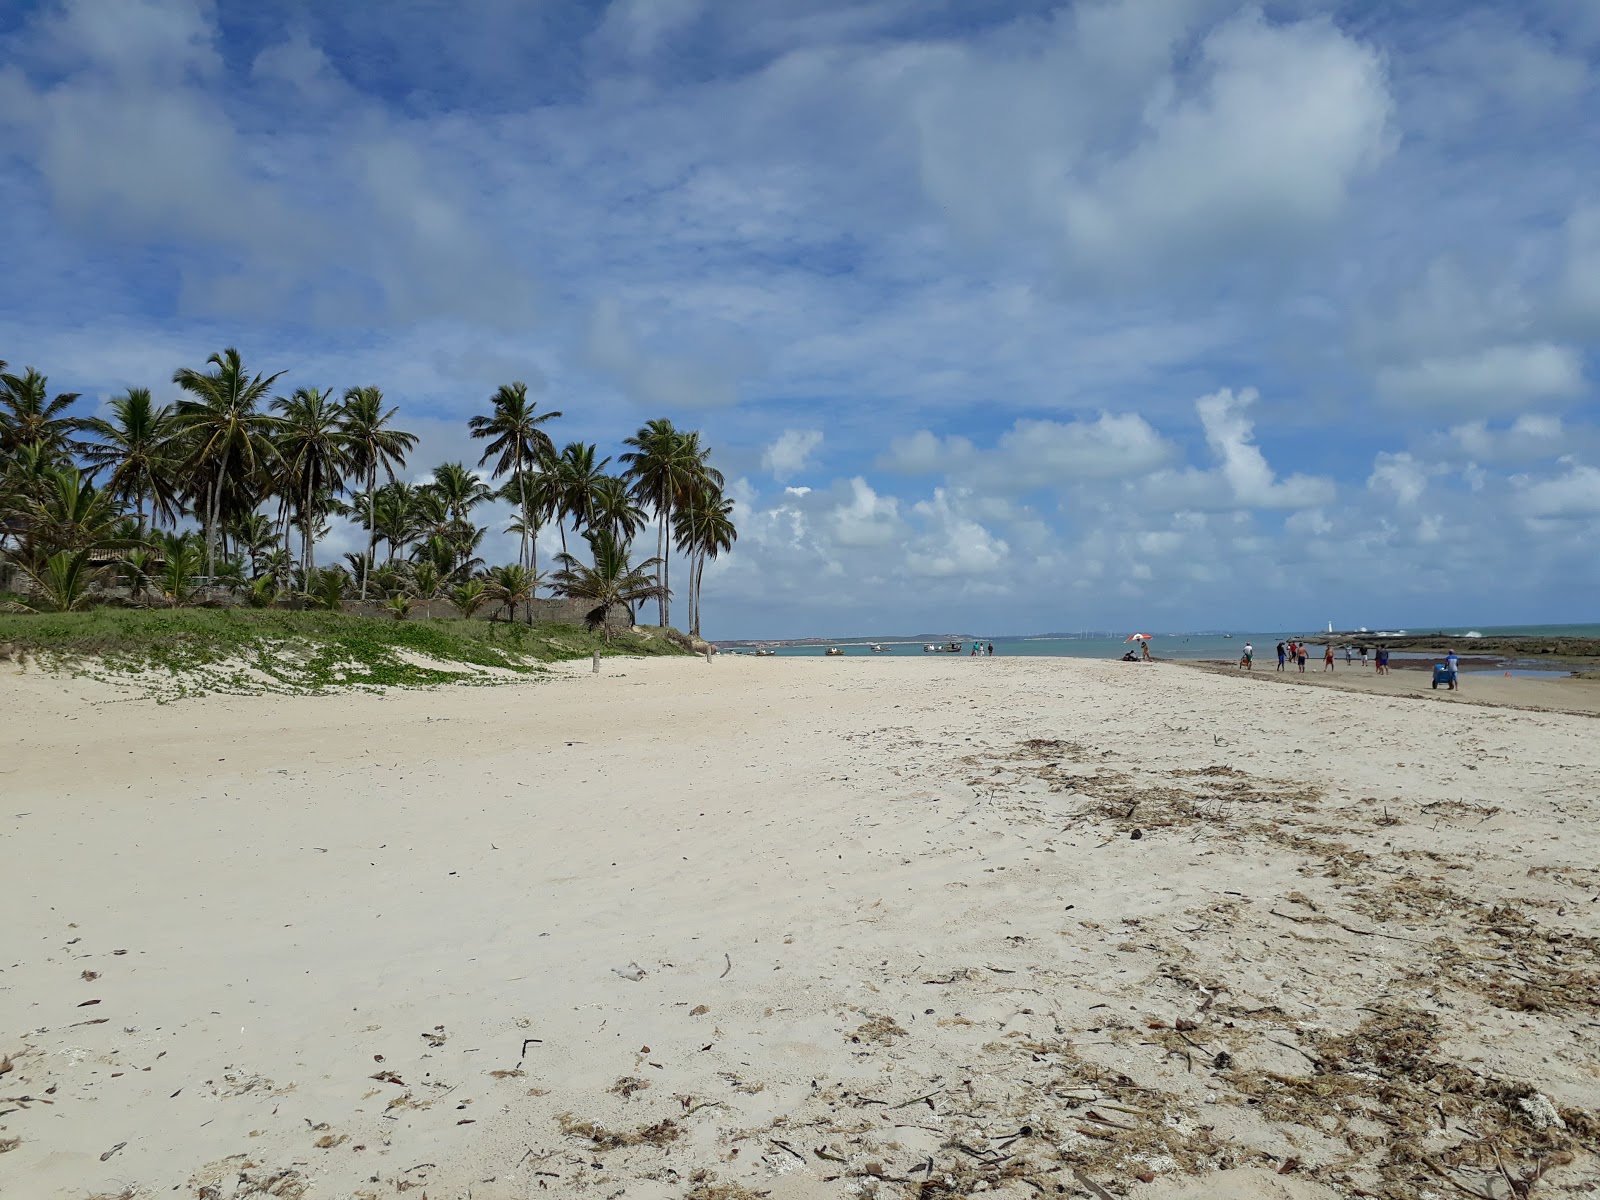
[[1453, 664]]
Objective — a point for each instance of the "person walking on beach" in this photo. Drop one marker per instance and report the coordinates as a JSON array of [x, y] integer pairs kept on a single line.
[[991, 649], [1300, 656], [1144, 649], [1347, 659], [1327, 659], [1247, 657], [1453, 664], [1383, 661], [1363, 657], [1281, 655]]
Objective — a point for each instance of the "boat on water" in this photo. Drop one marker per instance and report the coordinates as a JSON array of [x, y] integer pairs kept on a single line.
[[877, 649], [766, 653], [833, 652], [946, 648]]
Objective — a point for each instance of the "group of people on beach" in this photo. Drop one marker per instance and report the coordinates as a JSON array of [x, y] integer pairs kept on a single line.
[[1298, 652]]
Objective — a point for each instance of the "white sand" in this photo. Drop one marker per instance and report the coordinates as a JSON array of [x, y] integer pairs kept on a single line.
[[848, 883]]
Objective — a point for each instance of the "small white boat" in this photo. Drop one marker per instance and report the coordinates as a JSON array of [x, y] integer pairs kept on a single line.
[[834, 652], [877, 649]]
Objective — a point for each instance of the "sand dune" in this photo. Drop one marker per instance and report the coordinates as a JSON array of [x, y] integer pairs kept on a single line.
[[862, 927]]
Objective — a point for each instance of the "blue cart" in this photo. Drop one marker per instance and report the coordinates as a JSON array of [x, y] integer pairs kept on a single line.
[[1443, 674]]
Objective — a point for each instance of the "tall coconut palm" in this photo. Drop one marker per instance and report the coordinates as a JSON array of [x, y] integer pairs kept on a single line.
[[533, 499], [312, 457], [221, 430], [254, 537], [658, 471], [611, 582], [135, 444], [578, 474], [392, 515], [614, 508], [703, 529], [29, 415], [373, 445], [518, 441], [459, 488]]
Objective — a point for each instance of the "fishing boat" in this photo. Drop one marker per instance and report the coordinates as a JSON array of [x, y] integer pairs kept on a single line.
[[833, 652], [877, 649], [765, 653]]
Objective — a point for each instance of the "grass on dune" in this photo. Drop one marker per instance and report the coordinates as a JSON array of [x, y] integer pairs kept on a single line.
[[198, 649]]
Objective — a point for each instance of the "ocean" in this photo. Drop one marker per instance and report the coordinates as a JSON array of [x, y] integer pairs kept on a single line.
[[1224, 645]]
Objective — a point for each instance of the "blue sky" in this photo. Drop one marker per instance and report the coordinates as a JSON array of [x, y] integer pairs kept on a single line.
[[1002, 318]]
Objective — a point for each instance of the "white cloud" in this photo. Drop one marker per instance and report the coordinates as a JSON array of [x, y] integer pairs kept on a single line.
[[1266, 148], [865, 518], [1400, 475], [1494, 380], [1038, 453], [1574, 494], [1109, 134], [614, 348], [790, 453], [1230, 433], [1532, 435]]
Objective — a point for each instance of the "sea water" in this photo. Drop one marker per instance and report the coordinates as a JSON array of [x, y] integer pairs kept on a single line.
[[1224, 645]]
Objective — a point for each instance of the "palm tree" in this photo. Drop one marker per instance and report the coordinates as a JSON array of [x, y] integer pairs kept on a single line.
[[392, 515], [662, 466], [703, 529], [372, 446], [533, 498], [611, 582], [578, 477], [312, 456], [177, 575], [138, 571], [518, 442], [460, 490], [512, 585], [254, 537], [134, 444], [615, 510], [470, 596], [29, 415], [70, 514], [222, 432], [62, 581]]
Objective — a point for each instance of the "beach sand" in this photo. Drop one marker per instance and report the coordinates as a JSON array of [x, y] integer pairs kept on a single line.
[[800, 928]]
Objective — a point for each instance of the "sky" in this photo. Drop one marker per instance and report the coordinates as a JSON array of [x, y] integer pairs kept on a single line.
[[1000, 318]]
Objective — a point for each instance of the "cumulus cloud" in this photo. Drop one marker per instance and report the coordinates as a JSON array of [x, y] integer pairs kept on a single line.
[[1576, 493], [1494, 380], [1230, 433], [790, 453], [135, 136], [1252, 140], [1400, 475], [1038, 453], [1530, 436]]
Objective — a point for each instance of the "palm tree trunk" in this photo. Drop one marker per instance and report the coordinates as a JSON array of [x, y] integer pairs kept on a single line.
[[666, 570], [216, 517], [699, 590], [661, 542], [372, 530], [308, 554]]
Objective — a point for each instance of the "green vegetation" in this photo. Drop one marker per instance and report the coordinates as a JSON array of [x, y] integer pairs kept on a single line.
[[177, 652], [232, 488]]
